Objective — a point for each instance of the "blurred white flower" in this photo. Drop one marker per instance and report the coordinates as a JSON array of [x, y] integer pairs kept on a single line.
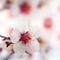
[[24, 6]]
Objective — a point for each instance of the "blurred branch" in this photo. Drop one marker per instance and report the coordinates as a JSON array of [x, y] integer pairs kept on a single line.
[[5, 38]]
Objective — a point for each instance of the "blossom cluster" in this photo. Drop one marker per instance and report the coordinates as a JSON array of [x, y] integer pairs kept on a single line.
[[29, 29]]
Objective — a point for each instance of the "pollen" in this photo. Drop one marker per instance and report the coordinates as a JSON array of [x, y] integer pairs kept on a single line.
[[25, 37]]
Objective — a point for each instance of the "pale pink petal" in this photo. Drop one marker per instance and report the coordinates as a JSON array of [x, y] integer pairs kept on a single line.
[[36, 56], [19, 48], [32, 46], [15, 36], [53, 5], [22, 23]]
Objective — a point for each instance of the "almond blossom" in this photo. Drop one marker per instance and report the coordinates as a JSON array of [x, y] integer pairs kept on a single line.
[[24, 42], [35, 21]]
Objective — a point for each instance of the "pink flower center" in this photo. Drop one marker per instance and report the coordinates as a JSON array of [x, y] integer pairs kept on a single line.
[[24, 8], [25, 37], [48, 23]]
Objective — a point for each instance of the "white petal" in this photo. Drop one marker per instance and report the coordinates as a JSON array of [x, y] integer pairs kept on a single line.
[[32, 46], [53, 5], [3, 45], [14, 57], [19, 48], [22, 23], [14, 9], [54, 41], [54, 54], [15, 36], [34, 3], [4, 54], [36, 56]]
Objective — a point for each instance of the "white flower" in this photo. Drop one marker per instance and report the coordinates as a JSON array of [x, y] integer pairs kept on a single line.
[[24, 42]]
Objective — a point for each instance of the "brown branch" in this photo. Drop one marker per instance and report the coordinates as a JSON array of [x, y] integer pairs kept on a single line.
[[8, 43], [5, 38]]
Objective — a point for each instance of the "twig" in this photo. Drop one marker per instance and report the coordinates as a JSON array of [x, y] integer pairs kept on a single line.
[[5, 38]]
